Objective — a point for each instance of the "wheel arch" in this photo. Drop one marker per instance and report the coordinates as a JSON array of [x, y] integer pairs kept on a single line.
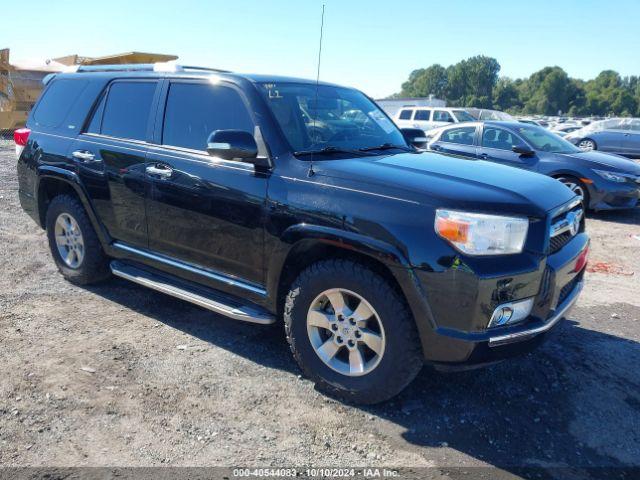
[[576, 176], [53, 181], [303, 245]]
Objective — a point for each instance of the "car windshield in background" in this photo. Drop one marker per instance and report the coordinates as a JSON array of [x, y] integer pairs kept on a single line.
[[463, 116], [330, 119], [542, 140]]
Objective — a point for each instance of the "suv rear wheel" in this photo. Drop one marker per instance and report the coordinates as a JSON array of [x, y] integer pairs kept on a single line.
[[351, 333], [73, 242]]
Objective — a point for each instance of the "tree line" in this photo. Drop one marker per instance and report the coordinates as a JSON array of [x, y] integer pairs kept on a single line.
[[475, 82]]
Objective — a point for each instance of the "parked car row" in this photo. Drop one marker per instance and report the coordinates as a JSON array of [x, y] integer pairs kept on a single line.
[[603, 181]]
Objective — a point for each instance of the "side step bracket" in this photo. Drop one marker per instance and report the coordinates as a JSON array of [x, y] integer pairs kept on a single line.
[[201, 296]]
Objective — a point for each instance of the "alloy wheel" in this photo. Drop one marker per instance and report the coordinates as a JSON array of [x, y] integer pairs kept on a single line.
[[574, 187], [346, 332], [69, 240], [586, 145]]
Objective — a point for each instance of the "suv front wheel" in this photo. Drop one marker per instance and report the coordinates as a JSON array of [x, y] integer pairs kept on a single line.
[[351, 333], [74, 245]]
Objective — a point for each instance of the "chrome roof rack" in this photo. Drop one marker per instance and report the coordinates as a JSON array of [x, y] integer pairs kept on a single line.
[[142, 67]]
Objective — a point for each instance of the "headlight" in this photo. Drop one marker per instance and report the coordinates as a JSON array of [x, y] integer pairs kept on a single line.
[[611, 176], [480, 234]]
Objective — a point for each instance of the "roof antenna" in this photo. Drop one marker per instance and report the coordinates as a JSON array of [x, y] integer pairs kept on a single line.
[[311, 173]]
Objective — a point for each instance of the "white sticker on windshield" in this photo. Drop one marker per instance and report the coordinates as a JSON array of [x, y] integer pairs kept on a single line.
[[382, 121]]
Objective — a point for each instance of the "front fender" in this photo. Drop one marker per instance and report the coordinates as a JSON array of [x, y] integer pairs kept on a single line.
[[306, 235]]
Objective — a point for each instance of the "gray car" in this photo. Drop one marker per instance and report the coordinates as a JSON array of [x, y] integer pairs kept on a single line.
[[614, 135]]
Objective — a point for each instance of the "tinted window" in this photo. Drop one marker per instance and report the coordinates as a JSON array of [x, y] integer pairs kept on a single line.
[[126, 113], [463, 136], [194, 110], [96, 120], [422, 115], [405, 115], [498, 138], [442, 116], [57, 102]]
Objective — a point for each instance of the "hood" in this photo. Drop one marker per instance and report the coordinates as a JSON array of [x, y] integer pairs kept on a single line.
[[453, 182], [606, 161]]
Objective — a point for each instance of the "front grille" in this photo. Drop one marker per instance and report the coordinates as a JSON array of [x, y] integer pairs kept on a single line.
[[566, 290], [559, 241]]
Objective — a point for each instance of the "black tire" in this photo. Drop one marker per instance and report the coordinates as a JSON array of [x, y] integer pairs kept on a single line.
[[569, 180], [402, 358], [94, 266]]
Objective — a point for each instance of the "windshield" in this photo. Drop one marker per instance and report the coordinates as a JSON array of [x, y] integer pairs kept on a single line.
[[463, 116], [340, 118], [545, 141], [495, 115]]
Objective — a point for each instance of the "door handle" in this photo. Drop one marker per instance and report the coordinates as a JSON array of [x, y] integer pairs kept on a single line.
[[161, 171], [483, 156], [84, 156], [436, 148]]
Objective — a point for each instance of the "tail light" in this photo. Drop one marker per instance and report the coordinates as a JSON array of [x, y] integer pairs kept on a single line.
[[20, 137]]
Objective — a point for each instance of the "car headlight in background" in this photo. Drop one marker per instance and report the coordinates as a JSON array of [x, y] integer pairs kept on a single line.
[[481, 234], [611, 176]]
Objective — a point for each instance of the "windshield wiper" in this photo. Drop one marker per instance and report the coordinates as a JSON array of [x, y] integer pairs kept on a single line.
[[330, 150], [388, 146]]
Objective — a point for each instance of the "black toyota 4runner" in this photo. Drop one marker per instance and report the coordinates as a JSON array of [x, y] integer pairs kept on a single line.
[[260, 197]]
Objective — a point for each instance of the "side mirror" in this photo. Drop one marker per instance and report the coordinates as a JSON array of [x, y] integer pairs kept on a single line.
[[523, 151], [415, 137], [232, 145]]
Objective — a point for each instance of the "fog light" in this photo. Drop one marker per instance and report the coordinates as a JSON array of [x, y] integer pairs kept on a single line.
[[511, 313]]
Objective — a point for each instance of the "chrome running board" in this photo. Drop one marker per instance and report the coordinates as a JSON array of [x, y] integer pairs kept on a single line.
[[198, 295]]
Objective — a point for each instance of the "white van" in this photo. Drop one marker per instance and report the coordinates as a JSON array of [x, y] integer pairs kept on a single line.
[[428, 118]]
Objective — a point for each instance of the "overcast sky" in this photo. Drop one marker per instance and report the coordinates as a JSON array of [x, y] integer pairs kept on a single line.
[[369, 44]]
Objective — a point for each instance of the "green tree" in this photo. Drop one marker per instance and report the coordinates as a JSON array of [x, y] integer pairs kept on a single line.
[[425, 82], [506, 95]]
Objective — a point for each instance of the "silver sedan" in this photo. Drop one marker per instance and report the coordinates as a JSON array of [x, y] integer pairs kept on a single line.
[[615, 135]]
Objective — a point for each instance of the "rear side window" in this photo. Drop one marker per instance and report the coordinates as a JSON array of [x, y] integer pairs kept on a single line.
[[195, 110], [58, 101], [126, 113], [462, 136], [405, 115], [422, 115], [96, 120]]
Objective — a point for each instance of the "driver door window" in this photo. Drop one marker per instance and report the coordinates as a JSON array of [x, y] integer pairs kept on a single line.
[[442, 116], [194, 110]]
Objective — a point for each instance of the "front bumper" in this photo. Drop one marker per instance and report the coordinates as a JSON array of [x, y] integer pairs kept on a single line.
[[531, 330], [615, 196], [461, 337]]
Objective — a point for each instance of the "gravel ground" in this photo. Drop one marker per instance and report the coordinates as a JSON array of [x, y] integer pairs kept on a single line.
[[117, 374]]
